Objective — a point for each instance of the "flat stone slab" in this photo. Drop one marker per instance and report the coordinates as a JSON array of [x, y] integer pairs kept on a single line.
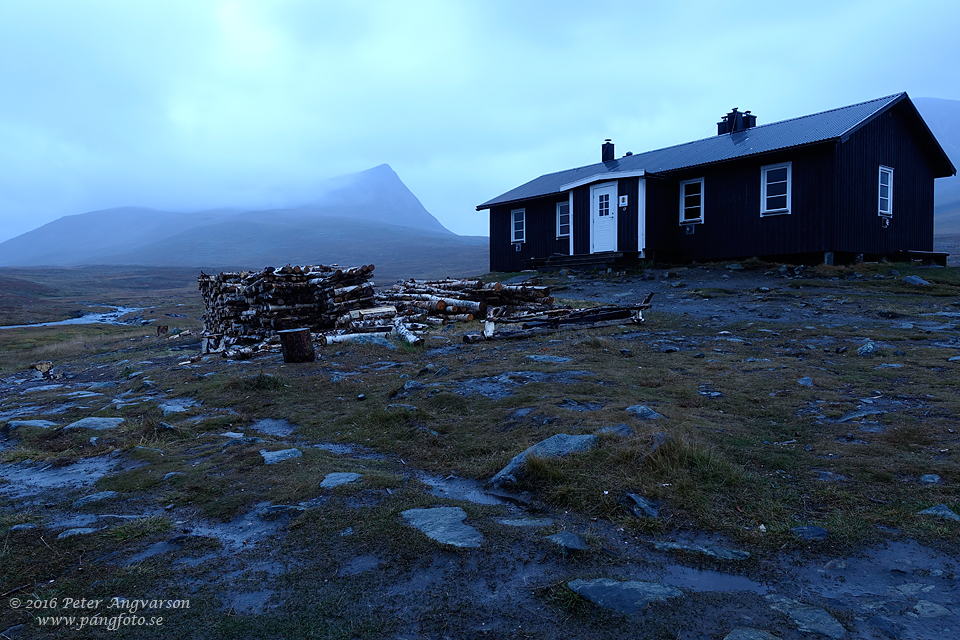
[[810, 532], [79, 531], [808, 618], [178, 405], [569, 541], [550, 359], [336, 479], [553, 447], [644, 412], [628, 597], [830, 476], [714, 551], [746, 633], [526, 522], [274, 511], [26, 526], [273, 427], [940, 511], [273, 457], [95, 497], [640, 506], [97, 424], [42, 424], [573, 405], [856, 415], [505, 384], [620, 430], [927, 609], [445, 525], [402, 407]]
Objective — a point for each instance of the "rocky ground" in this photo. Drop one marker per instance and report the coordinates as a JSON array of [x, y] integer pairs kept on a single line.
[[283, 501]]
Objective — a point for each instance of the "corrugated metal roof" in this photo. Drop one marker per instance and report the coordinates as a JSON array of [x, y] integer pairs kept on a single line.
[[817, 127]]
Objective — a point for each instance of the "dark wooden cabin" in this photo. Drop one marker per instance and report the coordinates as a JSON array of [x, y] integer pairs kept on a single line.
[[837, 186]]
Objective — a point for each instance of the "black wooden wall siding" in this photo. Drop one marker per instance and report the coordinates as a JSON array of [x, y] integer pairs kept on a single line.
[[581, 220], [889, 141], [540, 234], [834, 204], [732, 225], [627, 227]]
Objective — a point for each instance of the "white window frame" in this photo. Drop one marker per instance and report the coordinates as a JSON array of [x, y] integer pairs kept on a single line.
[[683, 209], [763, 189], [560, 224], [514, 236], [888, 213]]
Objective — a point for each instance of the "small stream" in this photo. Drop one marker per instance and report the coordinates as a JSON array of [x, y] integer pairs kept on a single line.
[[107, 317]]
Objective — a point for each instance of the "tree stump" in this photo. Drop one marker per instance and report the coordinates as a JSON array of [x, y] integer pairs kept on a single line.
[[297, 345]]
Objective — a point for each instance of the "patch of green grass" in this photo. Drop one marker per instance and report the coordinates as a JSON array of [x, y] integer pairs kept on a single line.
[[262, 382], [711, 292], [140, 528]]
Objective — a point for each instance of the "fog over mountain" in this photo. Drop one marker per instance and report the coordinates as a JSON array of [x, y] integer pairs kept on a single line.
[[363, 218], [943, 118]]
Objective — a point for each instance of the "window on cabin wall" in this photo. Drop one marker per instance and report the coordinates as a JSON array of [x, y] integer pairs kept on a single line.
[[775, 189], [603, 205], [563, 219], [885, 196], [691, 201], [518, 225]]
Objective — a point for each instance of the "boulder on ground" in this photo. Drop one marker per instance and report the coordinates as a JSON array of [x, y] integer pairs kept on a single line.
[[553, 447], [628, 597]]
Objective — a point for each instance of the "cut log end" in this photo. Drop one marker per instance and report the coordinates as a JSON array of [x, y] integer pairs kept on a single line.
[[297, 345]]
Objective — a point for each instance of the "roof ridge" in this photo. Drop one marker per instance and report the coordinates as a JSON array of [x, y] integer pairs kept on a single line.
[[759, 126], [813, 128], [770, 124]]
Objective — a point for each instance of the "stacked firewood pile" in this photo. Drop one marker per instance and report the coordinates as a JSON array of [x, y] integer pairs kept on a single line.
[[450, 299], [533, 323], [407, 308], [243, 308], [245, 311]]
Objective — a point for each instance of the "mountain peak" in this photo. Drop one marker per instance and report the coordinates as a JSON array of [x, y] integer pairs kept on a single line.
[[371, 201]]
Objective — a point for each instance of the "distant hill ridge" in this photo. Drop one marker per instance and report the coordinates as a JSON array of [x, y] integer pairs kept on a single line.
[[943, 118], [362, 218]]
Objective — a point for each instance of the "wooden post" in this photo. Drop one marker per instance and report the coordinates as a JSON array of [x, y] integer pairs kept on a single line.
[[297, 345]]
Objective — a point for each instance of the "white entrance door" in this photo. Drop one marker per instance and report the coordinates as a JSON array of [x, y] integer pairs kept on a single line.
[[642, 218], [603, 217]]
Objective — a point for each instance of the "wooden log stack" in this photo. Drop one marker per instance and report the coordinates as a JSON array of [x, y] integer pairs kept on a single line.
[[529, 324], [452, 299], [243, 308]]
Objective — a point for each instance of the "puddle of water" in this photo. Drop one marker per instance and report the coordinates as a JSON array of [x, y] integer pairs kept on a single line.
[[704, 580], [110, 317], [459, 489], [153, 550], [243, 530], [253, 602]]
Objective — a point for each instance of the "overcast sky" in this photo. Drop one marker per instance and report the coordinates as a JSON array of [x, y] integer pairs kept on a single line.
[[190, 104]]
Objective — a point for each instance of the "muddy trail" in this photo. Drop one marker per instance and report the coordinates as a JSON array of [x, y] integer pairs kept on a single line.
[[249, 499]]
